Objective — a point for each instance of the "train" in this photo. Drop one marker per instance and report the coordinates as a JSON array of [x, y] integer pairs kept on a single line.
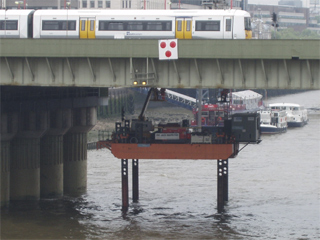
[[125, 24]]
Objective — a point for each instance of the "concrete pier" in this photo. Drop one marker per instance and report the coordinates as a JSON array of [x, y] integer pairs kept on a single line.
[[25, 169], [51, 166], [5, 173], [34, 122], [51, 154], [9, 128], [25, 156], [75, 151]]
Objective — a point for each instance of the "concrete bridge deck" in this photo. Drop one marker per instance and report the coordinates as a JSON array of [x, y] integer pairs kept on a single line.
[[273, 64]]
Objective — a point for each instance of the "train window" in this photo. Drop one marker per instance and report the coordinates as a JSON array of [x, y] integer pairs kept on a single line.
[[115, 26], [207, 25], [50, 25], [158, 26], [83, 25], [154, 26], [188, 25], [107, 25], [91, 25], [71, 25], [179, 27], [228, 25], [9, 25], [134, 26], [58, 25], [168, 26], [247, 24]]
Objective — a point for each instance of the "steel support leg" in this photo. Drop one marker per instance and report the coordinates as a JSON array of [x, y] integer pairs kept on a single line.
[[135, 180], [225, 180], [222, 183], [125, 186]]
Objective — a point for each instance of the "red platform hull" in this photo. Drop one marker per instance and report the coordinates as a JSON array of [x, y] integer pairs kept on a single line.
[[173, 151]]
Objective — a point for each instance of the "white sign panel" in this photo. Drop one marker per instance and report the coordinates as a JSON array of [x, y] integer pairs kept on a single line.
[[168, 49]]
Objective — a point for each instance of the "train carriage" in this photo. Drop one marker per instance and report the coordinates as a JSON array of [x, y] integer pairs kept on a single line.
[[140, 24], [16, 23]]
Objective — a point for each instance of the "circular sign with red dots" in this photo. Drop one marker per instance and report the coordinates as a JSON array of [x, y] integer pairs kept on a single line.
[[173, 44], [168, 54], [163, 44]]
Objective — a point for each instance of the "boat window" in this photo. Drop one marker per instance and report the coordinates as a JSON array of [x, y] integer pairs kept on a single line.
[[9, 25], [59, 25], [207, 25], [237, 119], [211, 115]]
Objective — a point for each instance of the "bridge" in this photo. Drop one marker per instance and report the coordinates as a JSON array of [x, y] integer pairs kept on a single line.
[[50, 90], [272, 64]]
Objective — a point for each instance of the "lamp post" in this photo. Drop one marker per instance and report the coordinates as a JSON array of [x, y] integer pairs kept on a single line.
[[18, 3], [67, 4]]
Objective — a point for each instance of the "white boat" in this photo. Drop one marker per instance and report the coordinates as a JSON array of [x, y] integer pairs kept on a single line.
[[273, 121], [244, 101], [297, 115]]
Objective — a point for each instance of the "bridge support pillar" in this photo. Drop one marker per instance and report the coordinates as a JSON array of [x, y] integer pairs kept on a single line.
[[222, 184], [9, 128], [5, 173], [25, 156], [75, 151], [51, 152]]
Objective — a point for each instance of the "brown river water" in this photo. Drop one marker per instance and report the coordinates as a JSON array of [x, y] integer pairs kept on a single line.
[[273, 194]]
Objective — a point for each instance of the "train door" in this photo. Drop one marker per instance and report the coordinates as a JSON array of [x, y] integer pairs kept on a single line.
[[183, 28], [227, 29], [87, 27]]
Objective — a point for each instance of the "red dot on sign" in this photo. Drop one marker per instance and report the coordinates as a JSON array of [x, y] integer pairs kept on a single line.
[[163, 44], [168, 54], [173, 44]]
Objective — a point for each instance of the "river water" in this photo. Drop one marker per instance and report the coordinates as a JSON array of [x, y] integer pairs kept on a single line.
[[273, 194]]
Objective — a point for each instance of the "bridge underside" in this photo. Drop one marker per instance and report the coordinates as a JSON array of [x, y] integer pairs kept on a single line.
[[181, 73]]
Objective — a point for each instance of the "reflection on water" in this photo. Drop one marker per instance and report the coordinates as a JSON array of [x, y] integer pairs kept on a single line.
[[273, 194]]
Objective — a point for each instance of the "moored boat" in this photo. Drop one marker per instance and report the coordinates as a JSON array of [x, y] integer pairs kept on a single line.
[[237, 102], [273, 122], [297, 115]]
